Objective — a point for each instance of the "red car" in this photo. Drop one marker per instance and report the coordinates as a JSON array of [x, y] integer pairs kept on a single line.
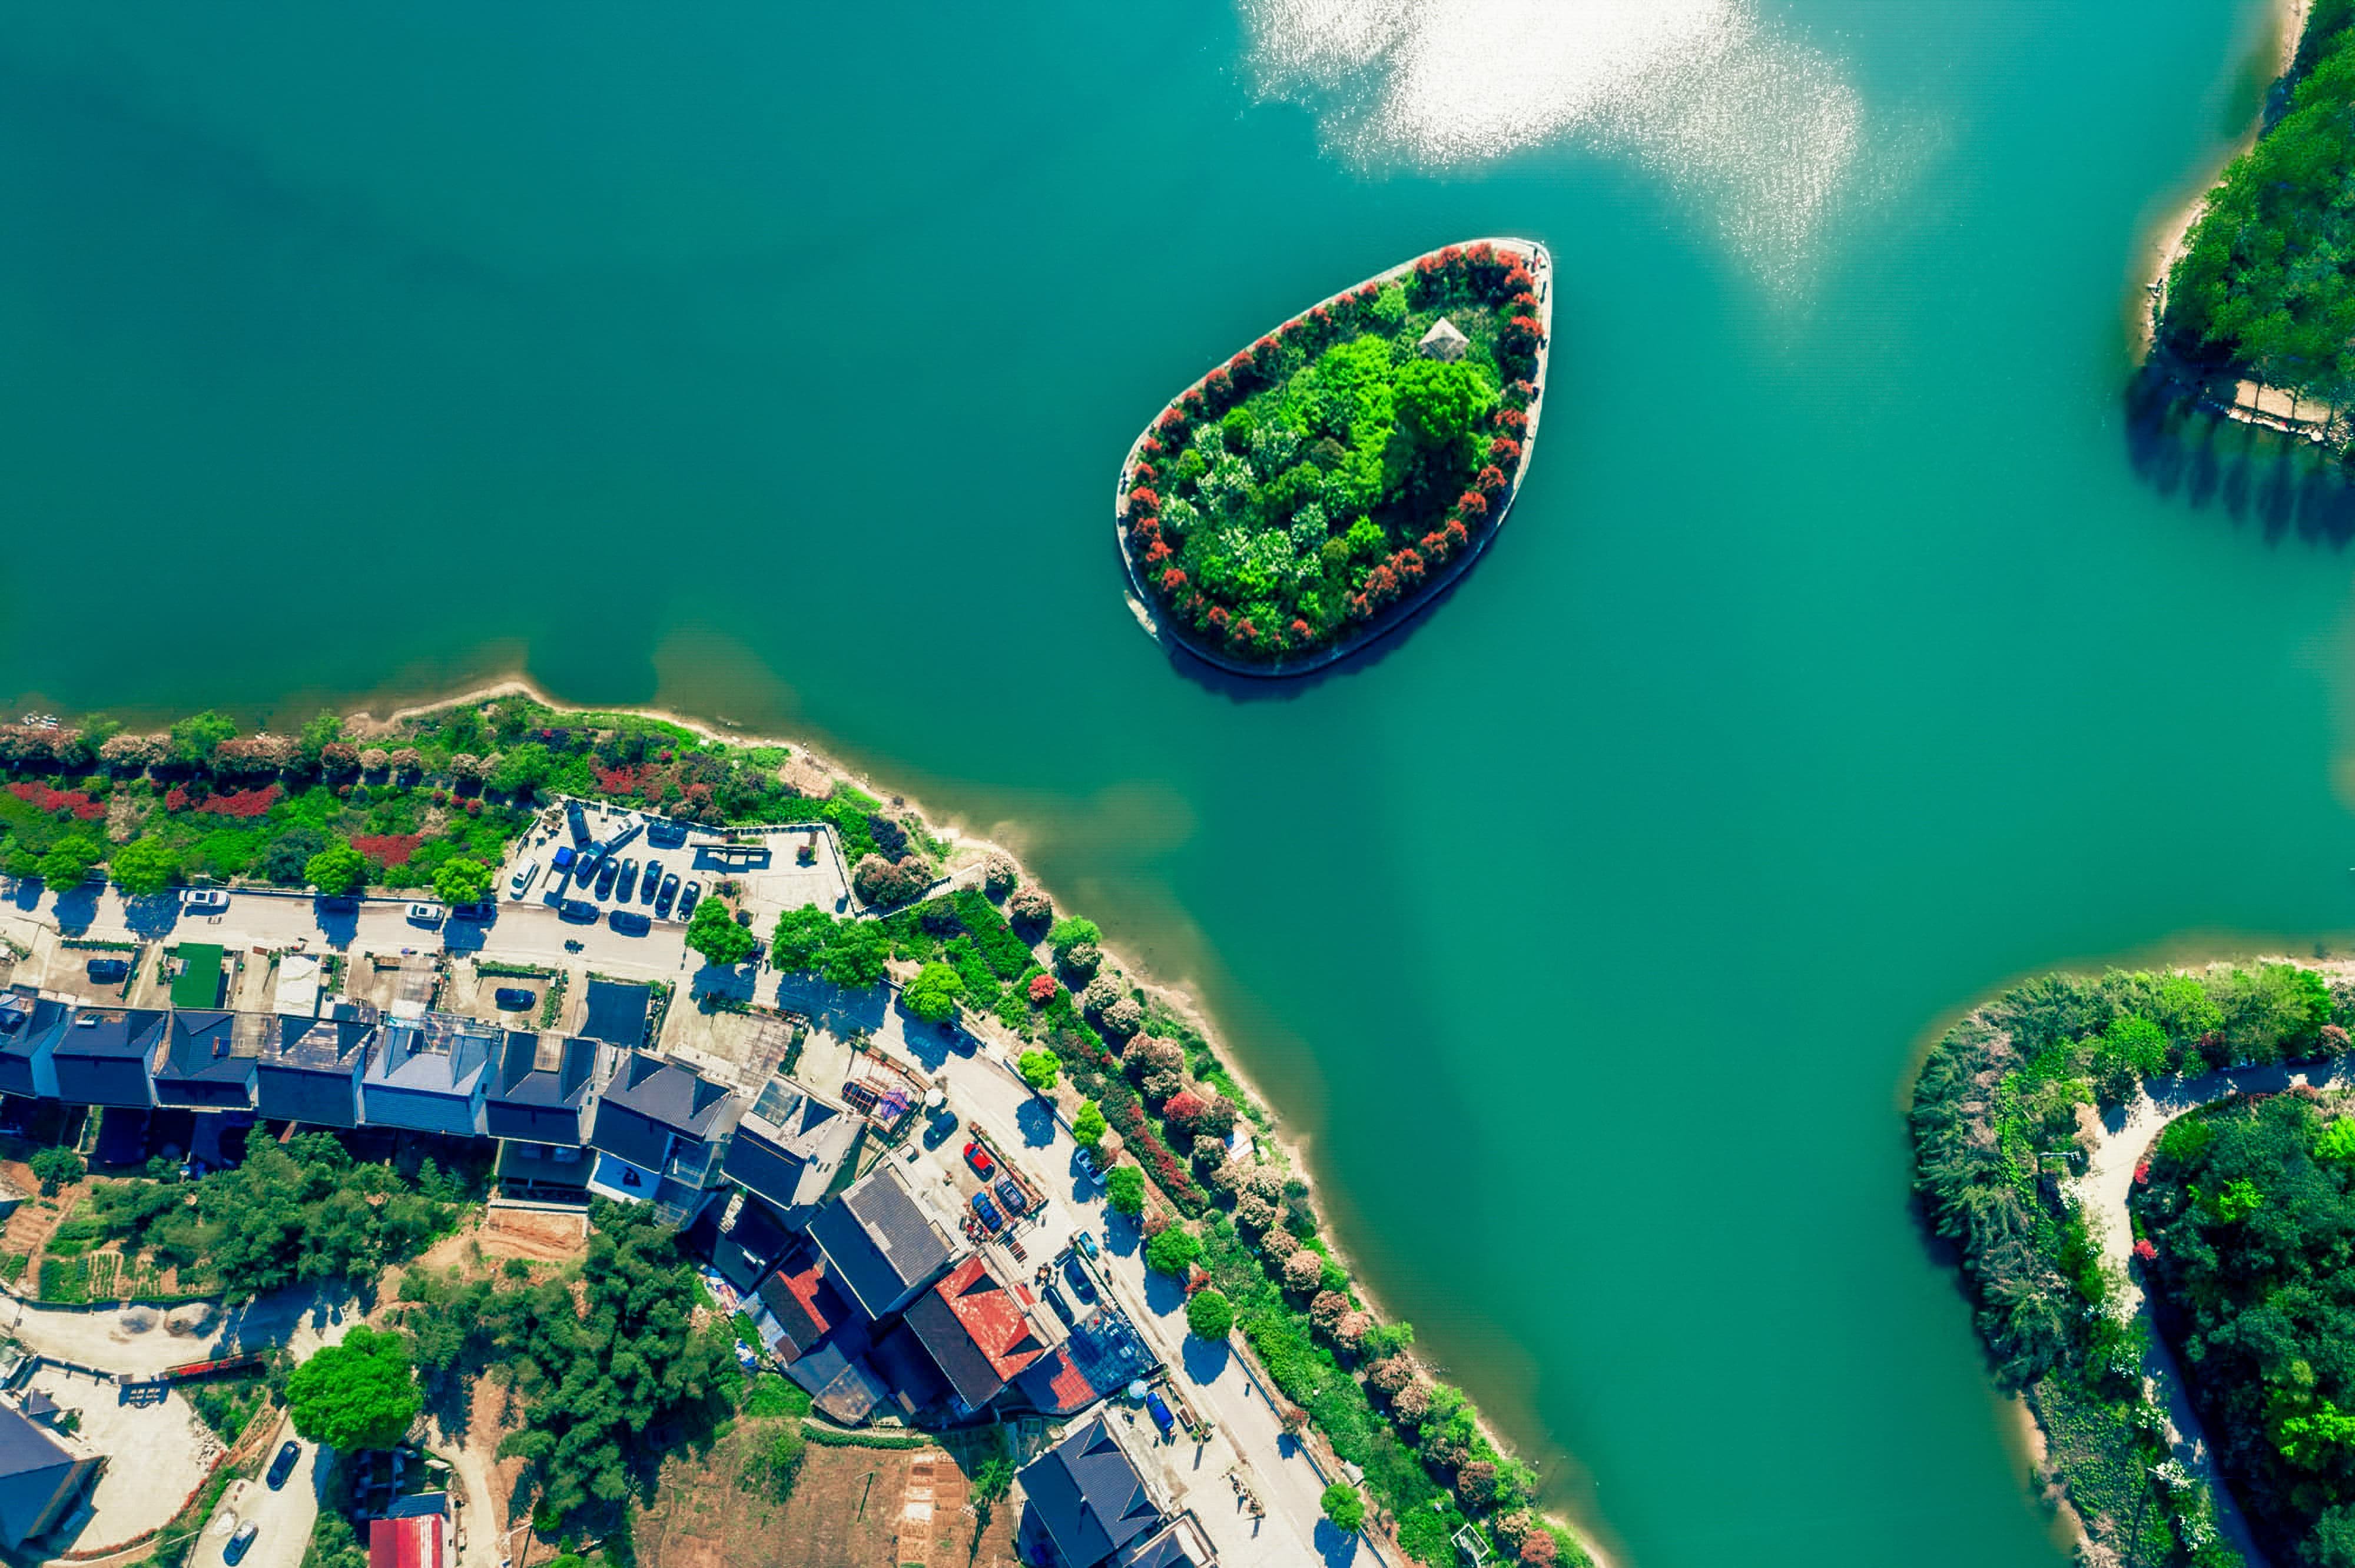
[[978, 1158]]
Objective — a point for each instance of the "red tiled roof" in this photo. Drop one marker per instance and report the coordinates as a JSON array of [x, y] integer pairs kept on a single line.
[[992, 1316], [405, 1542]]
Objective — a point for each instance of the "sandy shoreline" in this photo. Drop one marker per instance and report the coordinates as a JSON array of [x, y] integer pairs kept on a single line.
[[2167, 236], [1181, 999]]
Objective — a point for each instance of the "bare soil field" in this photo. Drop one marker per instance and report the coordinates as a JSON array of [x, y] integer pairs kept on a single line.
[[852, 1508]]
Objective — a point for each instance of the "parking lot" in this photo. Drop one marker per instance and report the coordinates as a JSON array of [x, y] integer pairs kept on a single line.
[[155, 1453], [767, 867]]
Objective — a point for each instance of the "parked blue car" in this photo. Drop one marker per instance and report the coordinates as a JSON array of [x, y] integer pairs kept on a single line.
[[988, 1212], [1156, 1408]]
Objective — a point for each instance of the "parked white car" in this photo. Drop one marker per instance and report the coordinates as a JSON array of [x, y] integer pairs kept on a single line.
[[520, 882], [204, 900], [426, 913]]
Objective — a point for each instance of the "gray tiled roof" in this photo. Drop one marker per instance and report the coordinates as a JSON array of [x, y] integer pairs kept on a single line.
[[1089, 1497], [880, 1243]]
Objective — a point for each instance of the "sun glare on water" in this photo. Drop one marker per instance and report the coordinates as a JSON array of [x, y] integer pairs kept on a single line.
[[1753, 133]]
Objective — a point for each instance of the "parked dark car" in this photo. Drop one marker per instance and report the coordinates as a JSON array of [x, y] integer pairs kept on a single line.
[[1057, 1304], [1077, 1273], [577, 820], [1016, 1200], [578, 910], [108, 971], [629, 923], [483, 909], [513, 999], [988, 1212], [283, 1465], [686, 897], [664, 833], [669, 893], [606, 872], [629, 882], [1158, 1409], [653, 881], [241, 1544], [585, 866]]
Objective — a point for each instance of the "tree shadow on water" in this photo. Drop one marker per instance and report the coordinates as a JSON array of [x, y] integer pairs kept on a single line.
[[2286, 484], [1237, 688]]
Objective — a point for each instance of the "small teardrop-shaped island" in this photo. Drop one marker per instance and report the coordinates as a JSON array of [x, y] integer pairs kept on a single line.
[[1315, 491]]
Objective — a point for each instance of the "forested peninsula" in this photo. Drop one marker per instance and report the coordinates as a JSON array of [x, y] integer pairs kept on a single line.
[[1303, 498], [2084, 1140], [2258, 304]]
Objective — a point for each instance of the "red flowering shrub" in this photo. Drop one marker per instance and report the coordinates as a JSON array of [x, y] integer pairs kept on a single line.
[[618, 780], [1381, 585], [175, 799], [1183, 1107], [1361, 607], [1457, 534], [441, 797], [1158, 552], [1218, 618], [2142, 1174], [1043, 989], [1171, 424], [1518, 280], [1191, 402], [1409, 565], [1143, 472], [1144, 498], [1173, 579], [42, 798], [1150, 447], [1505, 452], [1512, 421], [475, 806], [1520, 335], [1301, 631], [1472, 504], [1245, 634], [2144, 1250], [1489, 481], [388, 849], [1217, 386], [245, 803]]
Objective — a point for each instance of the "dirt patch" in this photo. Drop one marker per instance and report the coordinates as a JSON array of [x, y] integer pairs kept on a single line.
[[852, 1508], [535, 1235]]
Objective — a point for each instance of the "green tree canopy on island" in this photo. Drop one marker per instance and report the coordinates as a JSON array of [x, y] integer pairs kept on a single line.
[[712, 931], [2264, 277], [360, 1393]]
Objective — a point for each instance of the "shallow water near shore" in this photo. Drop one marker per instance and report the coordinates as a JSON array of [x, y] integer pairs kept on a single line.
[[1847, 653]]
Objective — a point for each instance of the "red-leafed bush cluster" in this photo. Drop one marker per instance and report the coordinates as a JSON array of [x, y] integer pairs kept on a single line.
[[619, 780], [245, 803], [175, 799], [1169, 1171], [388, 849], [42, 798]]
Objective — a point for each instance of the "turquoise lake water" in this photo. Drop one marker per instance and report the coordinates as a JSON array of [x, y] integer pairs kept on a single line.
[[1847, 653]]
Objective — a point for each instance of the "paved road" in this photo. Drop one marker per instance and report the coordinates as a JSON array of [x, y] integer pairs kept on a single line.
[[1248, 1436], [136, 1342], [522, 932], [285, 1516], [2121, 1141]]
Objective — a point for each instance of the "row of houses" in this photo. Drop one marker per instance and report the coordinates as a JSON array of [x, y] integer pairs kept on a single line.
[[863, 1290], [572, 1114]]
